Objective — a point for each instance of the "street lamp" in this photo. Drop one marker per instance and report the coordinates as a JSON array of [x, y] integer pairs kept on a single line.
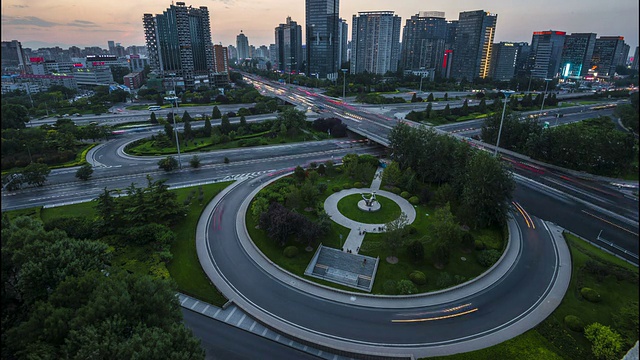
[[506, 94], [344, 85], [544, 96], [175, 128], [421, 77]]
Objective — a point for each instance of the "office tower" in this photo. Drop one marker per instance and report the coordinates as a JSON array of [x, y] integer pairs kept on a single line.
[[576, 55], [474, 38], [273, 55], [233, 52], [179, 45], [343, 32], [13, 57], [375, 37], [546, 53], [607, 54], [505, 57], [322, 41], [424, 40], [252, 51], [634, 63], [243, 46], [625, 54], [220, 66], [112, 47], [289, 46]]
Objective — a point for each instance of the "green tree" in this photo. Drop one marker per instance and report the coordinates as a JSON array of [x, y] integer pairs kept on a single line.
[[168, 131], [153, 118], [465, 108], [605, 343], [225, 125], [186, 117], [293, 119], [35, 174], [482, 107], [446, 96], [447, 111], [394, 233], [14, 116], [188, 133], [299, 174], [206, 130], [215, 113], [428, 111], [392, 174], [444, 228], [84, 172], [243, 120], [258, 207], [430, 97], [415, 250], [168, 164], [195, 161]]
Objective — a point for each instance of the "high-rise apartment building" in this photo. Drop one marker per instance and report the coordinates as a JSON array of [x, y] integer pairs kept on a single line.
[[343, 32], [424, 40], [289, 46], [242, 42], [474, 40], [375, 42], [576, 55], [634, 63], [607, 54], [13, 57], [220, 65], [504, 59], [546, 53], [322, 40], [112, 47], [179, 45]]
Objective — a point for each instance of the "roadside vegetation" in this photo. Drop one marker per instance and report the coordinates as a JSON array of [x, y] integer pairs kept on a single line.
[[597, 319]]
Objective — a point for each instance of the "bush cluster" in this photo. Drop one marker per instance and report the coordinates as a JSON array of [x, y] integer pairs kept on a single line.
[[590, 295], [290, 251], [489, 257], [418, 277], [574, 323]]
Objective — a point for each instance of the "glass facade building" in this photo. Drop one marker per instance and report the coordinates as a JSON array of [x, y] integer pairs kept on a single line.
[[375, 42], [474, 41], [322, 40]]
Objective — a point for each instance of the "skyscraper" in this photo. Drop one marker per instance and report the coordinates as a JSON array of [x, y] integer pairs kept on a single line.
[[607, 54], [576, 55], [13, 57], [504, 59], [423, 41], [474, 39], [221, 65], [179, 45], [546, 53], [343, 32], [634, 64], [243, 46], [289, 46], [112, 47], [322, 41], [375, 41]]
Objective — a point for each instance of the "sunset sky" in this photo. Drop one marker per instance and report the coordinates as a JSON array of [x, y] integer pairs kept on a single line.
[[42, 23]]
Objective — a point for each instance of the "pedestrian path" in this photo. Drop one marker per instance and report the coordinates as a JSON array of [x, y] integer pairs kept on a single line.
[[377, 179], [234, 316]]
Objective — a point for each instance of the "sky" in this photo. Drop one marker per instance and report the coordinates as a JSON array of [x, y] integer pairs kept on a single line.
[[64, 23]]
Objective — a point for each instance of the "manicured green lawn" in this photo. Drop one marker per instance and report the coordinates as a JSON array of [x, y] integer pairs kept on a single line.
[[389, 210]]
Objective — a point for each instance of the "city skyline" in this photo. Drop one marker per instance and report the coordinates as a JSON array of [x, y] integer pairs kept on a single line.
[[66, 23]]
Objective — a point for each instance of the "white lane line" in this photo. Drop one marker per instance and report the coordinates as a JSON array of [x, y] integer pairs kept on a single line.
[[231, 313], [241, 319]]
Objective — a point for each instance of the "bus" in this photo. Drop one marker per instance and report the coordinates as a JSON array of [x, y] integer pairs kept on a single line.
[[154, 108]]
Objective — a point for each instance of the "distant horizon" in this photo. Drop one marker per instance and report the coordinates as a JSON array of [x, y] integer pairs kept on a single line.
[[68, 23]]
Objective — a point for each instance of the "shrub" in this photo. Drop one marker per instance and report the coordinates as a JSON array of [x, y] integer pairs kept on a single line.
[[444, 280], [415, 249], [336, 188], [411, 230], [479, 245], [346, 186], [489, 257], [396, 190], [414, 200], [467, 241], [459, 279], [406, 287], [418, 277], [290, 251], [590, 295], [226, 160], [390, 287], [357, 184], [322, 187], [405, 194], [574, 323]]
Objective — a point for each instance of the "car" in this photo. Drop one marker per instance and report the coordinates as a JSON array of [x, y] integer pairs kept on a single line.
[[77, 114], [65, 115]]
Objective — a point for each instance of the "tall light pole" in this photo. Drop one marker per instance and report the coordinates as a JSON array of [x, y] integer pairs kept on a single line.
[[421, 77], [544, 96], [506, 94], [344, 85], [175, 128]]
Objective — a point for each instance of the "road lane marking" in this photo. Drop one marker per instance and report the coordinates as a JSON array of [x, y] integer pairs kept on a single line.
[[610, 223]]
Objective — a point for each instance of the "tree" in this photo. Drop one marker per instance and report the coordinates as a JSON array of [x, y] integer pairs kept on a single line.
[[153, 118], [168, 164], [206, 130], [293, 119], [299, 174], [447, 111], [414, 98], [215, 113], [35, 174], [465, 108], [482, 107], [225, 125], [195, 161], [392, 174], [394, 232], [168, 130], [186, 117], [84, 172], [14, 116], [243, 121], [605, 343], [430, 97], [259, 206], [188, 133], [428, 110], [446, 96], [416, 251]]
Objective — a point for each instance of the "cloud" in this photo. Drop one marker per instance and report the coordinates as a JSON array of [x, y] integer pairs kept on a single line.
[[226, 2], [19, 6], [27, 20], [82, 23]]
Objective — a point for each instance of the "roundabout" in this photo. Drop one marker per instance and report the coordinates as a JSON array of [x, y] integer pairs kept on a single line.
[[336, 205], [517, 293]]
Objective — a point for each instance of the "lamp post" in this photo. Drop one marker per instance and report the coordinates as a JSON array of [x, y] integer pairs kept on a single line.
[[175, 128], [344, 85], [506, 94], [544, 96]]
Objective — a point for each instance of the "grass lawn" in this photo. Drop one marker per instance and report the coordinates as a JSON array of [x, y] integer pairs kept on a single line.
[[389, 210], [552, 339]]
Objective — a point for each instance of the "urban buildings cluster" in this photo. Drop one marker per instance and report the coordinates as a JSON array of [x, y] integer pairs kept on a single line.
[[180, 51]]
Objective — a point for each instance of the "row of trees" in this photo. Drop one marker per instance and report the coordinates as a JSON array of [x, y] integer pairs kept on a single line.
[[473, 182], [594, 145], [628, 114]]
